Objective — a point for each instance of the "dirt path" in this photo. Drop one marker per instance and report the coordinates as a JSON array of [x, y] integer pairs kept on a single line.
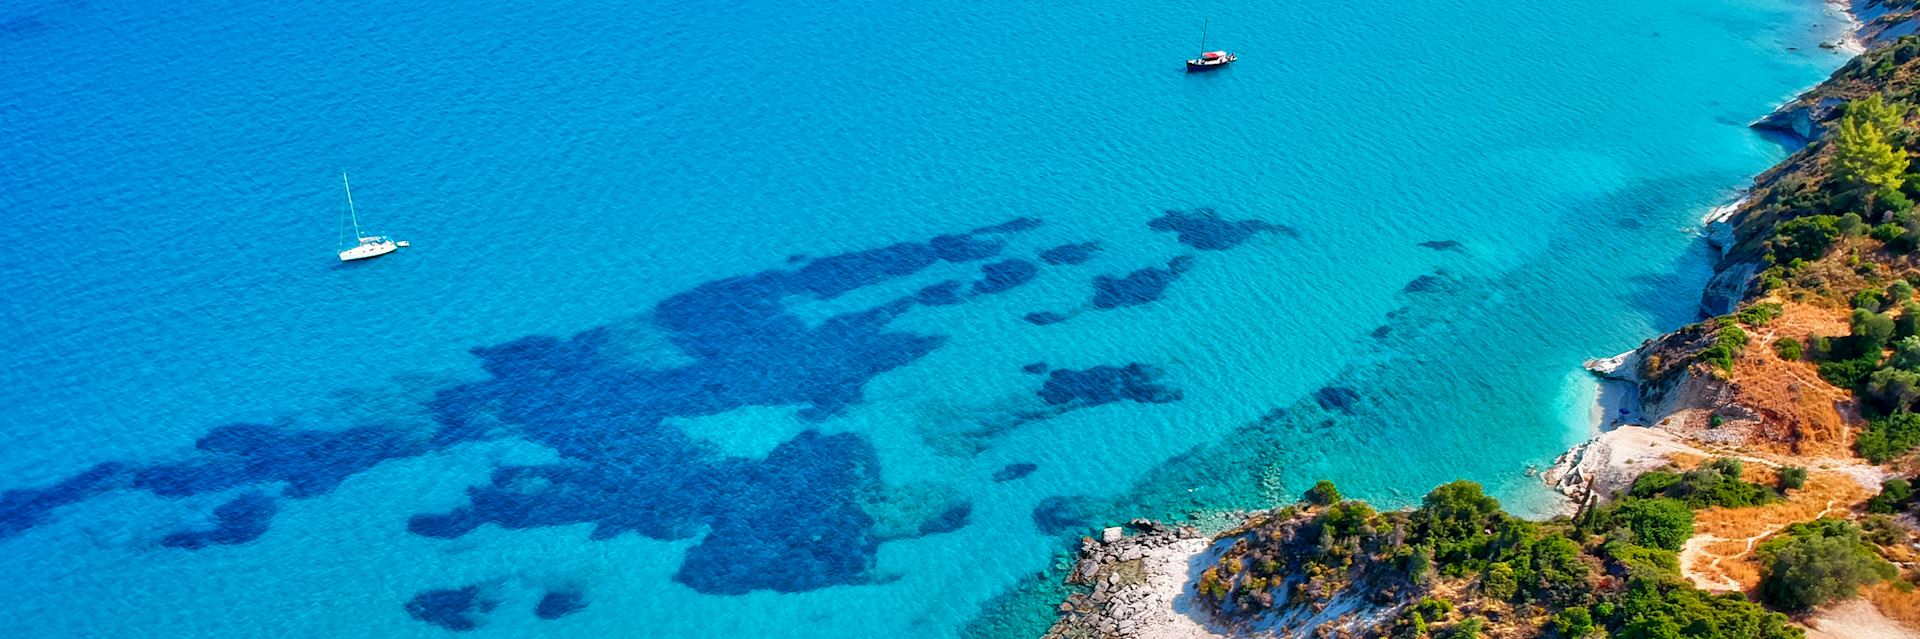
[[1712, 577], [1814, 383]]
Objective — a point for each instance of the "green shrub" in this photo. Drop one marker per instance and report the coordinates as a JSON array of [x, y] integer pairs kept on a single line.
[[1881, 530], [1906, 241], [1641, 562], [1499, 582], [1454, 518], [1788, 348], [1574, 622], [1652, 483], [1412, 626], [1655, 523], [1806, 237], [1348, 518], [1899, 292], [1714, 484], [1850, 224], [1730, 466], [1420, 564], [1908, 324], [1849, 373], [1792, 477], [1652, 609], [1758, 314], [1468, 629], [1893, 497], [1817, 562], [1870, 300], [1894, 389], [1554, 573], [1897, 202], [1822, 348], [1906, 353], [1434, 607], [1323, 493], [1871, 331], [1887, 437], [1727, 344]]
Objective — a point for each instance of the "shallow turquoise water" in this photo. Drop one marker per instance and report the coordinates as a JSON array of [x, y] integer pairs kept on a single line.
[[171, 187]]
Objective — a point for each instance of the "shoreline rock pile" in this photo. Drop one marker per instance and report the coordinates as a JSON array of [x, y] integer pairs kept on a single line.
[[1137, 582]]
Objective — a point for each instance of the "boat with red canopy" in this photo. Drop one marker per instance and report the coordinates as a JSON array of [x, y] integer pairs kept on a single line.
[[1209, 60]]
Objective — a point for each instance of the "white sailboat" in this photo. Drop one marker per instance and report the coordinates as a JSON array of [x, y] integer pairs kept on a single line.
[[365, 246]]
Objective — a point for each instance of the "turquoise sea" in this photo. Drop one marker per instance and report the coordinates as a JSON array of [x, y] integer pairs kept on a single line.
[[804, 319]]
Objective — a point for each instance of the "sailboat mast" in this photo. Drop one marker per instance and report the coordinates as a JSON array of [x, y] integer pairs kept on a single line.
[[1203, 41], [350, 212]]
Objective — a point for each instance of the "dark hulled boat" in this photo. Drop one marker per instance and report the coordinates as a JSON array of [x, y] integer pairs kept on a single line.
[[1209, 60]]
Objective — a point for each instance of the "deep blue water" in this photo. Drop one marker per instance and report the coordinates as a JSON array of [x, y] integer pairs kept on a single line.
[[803, 319]]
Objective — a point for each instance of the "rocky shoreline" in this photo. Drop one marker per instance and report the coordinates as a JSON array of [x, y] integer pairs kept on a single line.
[[1659, 404], [1140, 585], [1664, 405]]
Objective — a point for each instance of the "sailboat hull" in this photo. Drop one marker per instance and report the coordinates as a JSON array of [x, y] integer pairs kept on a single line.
[[368, 250], [1203, 64], [366, 245]]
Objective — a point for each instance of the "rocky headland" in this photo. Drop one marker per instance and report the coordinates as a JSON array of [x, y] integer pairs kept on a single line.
[[1725, 450]]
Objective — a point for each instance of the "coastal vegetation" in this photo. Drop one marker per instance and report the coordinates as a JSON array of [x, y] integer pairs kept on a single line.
[[1815, 562], [1844, 230], [1787, 422], [1831, 235], [1458, 565], [1718, 483]]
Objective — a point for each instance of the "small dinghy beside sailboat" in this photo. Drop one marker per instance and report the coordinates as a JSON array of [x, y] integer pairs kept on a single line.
[[365, 245]]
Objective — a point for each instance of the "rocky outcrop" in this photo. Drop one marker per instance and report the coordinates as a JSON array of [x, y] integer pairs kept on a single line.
[[1140, 585], [1877, 23], [1600, 469], [1727, 288], [1675, 398], [1624, 367], [1670, 379], [1805, 118]]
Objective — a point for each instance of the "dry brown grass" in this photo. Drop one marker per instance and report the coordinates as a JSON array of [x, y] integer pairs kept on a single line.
[[1799, 412], [1901, 605], [1721, 552], [1505, 621]]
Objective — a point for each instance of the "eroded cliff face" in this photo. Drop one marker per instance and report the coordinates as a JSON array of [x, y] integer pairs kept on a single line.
[[1741, 232], [1881, 22], [1676, 390], [1806, 117], [1672, 384], [1680, 392]]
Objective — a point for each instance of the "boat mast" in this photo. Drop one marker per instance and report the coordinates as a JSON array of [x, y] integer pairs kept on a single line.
[[350, 212], [1203, 44]]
